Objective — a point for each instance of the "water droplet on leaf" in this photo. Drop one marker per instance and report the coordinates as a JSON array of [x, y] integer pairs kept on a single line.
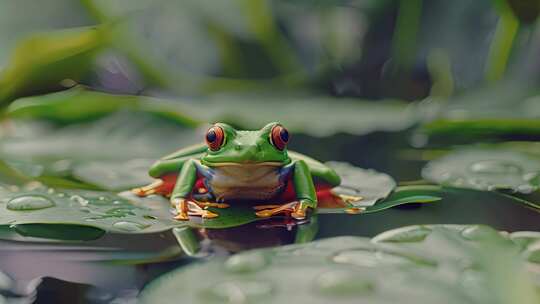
[[476, 233], [29, 202], [495, 167], [404, 234], [129, 226], [246, 262]]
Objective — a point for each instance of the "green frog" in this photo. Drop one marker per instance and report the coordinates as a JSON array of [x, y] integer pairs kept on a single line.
[[235, 166]]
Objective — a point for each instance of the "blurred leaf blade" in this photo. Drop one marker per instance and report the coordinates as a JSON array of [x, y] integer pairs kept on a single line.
[[42, 62]]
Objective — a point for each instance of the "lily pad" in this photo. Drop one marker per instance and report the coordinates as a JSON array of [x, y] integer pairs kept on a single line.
[[302, 113], [102, 210], [127, 213], [486, 169], [369, 185], [111, 153], [449, 264]]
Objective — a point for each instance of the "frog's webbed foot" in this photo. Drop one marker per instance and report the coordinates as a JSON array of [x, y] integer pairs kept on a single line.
[[296, 209], [148, 189], [186, 208], [214, 205]]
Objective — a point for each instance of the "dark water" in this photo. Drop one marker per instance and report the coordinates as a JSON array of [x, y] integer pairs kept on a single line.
[[107, 270]]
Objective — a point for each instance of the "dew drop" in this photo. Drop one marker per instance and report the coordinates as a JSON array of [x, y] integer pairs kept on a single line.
[[526, 188], [29, 202], [246, 262], [79, 199], [344, 283], [405, 234], [239, 292], [495, 167], [477, 232], [364, 258], [129, 226]]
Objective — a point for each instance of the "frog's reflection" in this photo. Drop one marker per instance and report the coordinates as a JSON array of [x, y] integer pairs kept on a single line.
[[264, 233]]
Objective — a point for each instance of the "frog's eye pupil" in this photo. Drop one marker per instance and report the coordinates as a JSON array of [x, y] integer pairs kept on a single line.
[[211, 136], [279, 137], [215, 138], [284, 134]]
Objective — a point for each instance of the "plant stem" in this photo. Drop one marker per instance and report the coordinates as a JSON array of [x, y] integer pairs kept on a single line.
[[406, 30], [501, 46]]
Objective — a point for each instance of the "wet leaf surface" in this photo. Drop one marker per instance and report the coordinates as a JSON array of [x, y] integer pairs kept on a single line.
[[369, 185], [112, 153], [126, 213], [433, 264], [486, 169]]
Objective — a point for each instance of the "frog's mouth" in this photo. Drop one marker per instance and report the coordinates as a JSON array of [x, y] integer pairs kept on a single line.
[[244, 164]]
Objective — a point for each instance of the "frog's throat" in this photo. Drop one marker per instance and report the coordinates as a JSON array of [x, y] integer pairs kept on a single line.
[[231, 164]]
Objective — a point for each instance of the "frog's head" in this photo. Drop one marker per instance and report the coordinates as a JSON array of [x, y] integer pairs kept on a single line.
[[227, 146]]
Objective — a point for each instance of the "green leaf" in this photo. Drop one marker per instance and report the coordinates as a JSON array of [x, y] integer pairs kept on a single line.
[[449, 264], [127, 213], [103, 210], [303, 113], [38, 17], [486, 169], [112, 153], [367, 184], [77, 104], [41, 62], [407, 195], [505, 110]]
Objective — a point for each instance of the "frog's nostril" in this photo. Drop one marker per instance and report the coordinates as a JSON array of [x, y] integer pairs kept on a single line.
[[238, 147]]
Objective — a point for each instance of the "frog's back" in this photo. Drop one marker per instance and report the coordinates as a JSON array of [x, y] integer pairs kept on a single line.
[[172, 163], [318, 170], [194, 151]]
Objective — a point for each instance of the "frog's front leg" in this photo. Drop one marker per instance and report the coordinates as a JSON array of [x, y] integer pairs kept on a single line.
[[164, 171], [182, 191], [305, 194]]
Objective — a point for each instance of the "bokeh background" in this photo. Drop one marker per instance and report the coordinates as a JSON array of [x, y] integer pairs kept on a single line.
[[94, 90]]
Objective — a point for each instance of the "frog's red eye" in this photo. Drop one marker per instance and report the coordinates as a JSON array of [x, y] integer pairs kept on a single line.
[[279, 137], [215, 138]]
